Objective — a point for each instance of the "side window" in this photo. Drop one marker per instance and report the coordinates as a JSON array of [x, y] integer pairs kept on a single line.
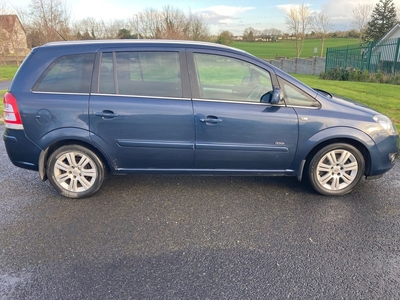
[[226, 78], [67, 74], [295, 96], [141, 74]]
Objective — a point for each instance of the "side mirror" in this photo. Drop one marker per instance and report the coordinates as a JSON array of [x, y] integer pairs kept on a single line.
[[272, 97], [276, 96]]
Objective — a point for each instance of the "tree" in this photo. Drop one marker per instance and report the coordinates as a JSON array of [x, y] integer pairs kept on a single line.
[[225, 37], [199, 30], [92, 29], [321, 24], [298, 20], [250, 33], [169, 23], [383, 19], [361, 15], [49, 21], [124, 34], [271, 34]]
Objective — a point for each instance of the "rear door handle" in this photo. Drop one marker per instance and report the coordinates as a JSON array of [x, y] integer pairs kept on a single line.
[[106, 114]]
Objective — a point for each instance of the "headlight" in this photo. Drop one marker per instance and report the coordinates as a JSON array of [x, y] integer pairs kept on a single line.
[[386, 124]]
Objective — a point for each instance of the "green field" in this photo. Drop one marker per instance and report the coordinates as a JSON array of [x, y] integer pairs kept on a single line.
[[270, 50]]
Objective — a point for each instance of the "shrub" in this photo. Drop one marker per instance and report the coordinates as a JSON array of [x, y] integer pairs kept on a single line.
[[358, 75]]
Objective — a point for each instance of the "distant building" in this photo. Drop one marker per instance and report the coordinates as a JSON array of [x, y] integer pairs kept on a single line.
[[12, 36]]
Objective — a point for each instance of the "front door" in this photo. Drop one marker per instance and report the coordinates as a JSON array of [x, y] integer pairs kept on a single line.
[[234, 129]]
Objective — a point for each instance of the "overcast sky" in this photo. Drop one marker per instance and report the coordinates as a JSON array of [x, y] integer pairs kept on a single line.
[[232, 15]]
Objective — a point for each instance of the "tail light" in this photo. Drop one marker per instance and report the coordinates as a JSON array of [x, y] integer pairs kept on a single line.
[[12, 118]]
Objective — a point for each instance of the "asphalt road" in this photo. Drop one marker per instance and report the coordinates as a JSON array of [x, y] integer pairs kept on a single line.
[[186, 237], [4, 85]]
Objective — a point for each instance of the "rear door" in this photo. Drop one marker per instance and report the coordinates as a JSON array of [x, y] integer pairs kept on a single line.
[[234, 129], [141, 112]]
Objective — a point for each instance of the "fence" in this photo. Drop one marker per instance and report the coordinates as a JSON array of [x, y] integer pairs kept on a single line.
[[375, 56], [11, 60], [313, 66]]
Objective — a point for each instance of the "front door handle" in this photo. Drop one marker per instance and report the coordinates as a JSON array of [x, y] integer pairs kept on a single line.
[[211, 120]]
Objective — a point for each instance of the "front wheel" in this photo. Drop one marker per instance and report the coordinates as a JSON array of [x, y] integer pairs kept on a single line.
[[75, 171], [336, 169]]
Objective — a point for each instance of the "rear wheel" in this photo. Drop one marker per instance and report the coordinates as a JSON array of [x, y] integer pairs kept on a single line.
[[336, 169], [75, 171]]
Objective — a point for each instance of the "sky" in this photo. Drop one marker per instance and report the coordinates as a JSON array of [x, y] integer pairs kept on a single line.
[[232, 15]]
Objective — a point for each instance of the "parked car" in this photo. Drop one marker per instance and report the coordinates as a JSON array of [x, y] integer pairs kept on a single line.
[[77, 111]]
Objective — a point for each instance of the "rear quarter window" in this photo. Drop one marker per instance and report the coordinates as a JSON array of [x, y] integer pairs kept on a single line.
[[67, 74]]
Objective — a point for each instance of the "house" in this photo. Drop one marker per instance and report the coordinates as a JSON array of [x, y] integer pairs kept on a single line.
[[12, 36], [237, 38], [385, 53]]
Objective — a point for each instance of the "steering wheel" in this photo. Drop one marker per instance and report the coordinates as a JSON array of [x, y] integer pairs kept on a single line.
[[254, 93]]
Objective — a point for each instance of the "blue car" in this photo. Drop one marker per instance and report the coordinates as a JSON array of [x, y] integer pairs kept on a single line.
[[77, 111]]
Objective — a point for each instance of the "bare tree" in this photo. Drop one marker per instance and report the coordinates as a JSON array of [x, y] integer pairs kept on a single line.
[[3, 33], [169, 23], [250, 33], [361, 15], [49, 21], [89, 28], [112, 28], [3, 7], [321, 24], [272, 34], [146, 23], [298, 20], [199, 30]]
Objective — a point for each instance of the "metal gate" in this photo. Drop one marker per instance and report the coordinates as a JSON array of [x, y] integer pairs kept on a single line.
[[374, 56]]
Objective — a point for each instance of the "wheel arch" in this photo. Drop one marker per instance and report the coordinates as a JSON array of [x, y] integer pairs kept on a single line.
[[357, 144], [45, 154], [351, 136]]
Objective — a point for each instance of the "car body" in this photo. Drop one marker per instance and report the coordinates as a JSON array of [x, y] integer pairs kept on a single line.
[[76, 111]]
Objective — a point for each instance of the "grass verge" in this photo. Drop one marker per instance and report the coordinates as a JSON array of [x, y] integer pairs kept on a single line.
[[7, 72], [381, 97]]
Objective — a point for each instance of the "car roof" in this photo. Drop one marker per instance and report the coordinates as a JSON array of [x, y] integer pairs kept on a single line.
[[142, 42]]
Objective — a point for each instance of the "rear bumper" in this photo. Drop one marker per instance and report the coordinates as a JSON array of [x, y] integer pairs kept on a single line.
[[21, 151]]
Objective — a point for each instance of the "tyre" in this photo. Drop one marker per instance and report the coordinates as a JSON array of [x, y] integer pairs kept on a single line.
[[336, 169], [75, 171]]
